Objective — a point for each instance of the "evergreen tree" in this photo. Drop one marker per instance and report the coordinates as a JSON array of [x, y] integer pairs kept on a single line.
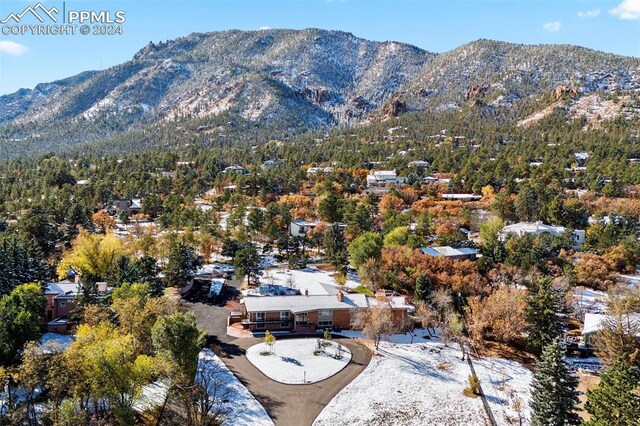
[[544, 313], [424, 287], [247, 262], [554, 392], [329, 208], [335, 247], [147, 272], [181, 265], [21, 261], [616, 400]]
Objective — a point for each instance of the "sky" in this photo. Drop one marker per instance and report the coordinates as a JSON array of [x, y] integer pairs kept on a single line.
[[434, 25]]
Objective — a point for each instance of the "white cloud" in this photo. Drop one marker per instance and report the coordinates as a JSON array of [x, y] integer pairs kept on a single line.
[[552, 27], [628, 9], [12, 48], [264, 27], [589, 13]]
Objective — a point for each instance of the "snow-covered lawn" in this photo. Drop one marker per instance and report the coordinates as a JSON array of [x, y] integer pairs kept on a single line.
[[55, 342], [294, 361], [422, 384], [586, 300], [242, 408], [505, 383]]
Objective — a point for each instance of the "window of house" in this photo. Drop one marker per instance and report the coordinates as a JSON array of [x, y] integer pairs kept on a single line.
[[63, 304], [325, 318], [285, 316], [261, 316], [302, 319]]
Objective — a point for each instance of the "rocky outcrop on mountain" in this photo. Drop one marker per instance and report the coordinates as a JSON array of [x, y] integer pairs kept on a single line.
[[304, 79]]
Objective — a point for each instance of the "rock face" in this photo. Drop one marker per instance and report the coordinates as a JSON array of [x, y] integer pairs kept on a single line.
[[302, 79], [562, 91]]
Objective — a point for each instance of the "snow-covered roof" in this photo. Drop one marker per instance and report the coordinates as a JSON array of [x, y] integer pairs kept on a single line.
[[522, 228], [461, 197], [301, 222], [62, 289], [216, 287], [447, 251], [595, 322], [305, 303]]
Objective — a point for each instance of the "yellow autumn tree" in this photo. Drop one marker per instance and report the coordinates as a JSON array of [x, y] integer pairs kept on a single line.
[[92, 254]]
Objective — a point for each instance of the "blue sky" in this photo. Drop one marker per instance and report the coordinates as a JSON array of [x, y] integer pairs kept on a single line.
[[435, 25]]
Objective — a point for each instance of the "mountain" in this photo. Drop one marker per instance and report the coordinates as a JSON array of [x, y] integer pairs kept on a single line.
[[295, 80]]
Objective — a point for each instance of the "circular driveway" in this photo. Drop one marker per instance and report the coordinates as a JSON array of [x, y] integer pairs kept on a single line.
[[292, 405]]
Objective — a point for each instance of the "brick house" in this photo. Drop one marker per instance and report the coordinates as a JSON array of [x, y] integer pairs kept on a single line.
[[61, 301], [306, 314]]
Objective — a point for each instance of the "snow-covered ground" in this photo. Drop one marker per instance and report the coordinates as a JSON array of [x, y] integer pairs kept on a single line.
[[586, 300], [421, 383], [504, 383], [242, 408], [293, 360]]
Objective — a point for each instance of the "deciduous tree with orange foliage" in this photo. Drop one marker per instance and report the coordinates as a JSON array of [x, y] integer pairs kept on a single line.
[[499, 316], [103, 221]]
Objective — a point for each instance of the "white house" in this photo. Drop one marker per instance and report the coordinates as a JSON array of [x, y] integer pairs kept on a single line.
[[319, 170], [539, 228], [461, 253], [593, 323], [419, 163], [236, 170], [461, 197], [384, 177], [299, 228]]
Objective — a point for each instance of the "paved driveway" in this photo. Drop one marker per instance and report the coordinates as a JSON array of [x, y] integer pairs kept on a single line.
[[288, 405], [292, 405]]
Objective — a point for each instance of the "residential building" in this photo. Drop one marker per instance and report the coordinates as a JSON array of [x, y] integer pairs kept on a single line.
[[539, 228], [236, 170], [419, 163], [319, 170], [129, 205], [384, 177], [462, 253], [594, 323], [299, 228], [461, 197], [308, 313]]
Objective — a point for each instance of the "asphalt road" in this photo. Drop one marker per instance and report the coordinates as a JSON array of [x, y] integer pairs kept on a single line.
[[288, 405]]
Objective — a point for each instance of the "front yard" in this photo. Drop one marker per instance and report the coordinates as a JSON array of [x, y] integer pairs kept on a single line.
[[299, 361]]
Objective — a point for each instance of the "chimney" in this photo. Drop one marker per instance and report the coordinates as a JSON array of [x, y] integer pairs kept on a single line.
[[340, 296], [102, 286], [306, 291]]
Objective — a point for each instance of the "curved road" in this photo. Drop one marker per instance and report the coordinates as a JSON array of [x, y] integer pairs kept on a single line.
[[288, 405]]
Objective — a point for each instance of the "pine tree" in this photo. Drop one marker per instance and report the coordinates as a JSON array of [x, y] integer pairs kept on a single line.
[[544, 313], [335, 248], [247, 262], [181, 265], [424, 287], [616, 400], [554, 390]]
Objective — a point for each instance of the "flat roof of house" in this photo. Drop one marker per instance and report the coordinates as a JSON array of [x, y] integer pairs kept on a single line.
[[448, 251], [595, 322]]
